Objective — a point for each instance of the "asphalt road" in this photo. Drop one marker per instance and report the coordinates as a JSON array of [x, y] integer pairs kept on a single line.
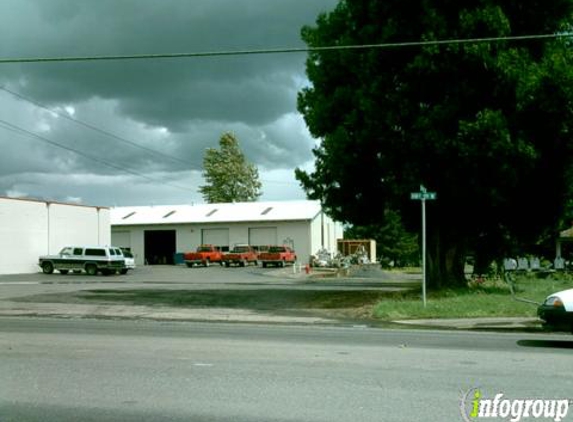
[[86, 370]]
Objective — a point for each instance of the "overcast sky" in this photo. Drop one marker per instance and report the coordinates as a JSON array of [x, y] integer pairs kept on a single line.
[[177, 107]]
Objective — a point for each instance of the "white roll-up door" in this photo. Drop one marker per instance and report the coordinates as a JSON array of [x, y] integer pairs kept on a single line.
[[121, 239], [263, 236], [215, 237]]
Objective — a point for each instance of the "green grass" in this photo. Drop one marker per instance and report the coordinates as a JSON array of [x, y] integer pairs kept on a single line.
[[490, 299]]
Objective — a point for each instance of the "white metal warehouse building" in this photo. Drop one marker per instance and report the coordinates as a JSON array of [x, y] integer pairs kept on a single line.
[[30, 228], [155, 233]]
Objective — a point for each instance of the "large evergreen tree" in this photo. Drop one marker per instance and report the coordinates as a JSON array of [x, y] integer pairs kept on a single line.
[[485, 124], [228, 175]]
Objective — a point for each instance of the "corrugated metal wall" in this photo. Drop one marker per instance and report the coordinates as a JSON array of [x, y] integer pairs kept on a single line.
[[30, 228]]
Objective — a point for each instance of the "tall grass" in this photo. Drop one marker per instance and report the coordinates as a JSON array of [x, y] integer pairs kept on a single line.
[[492, 298]]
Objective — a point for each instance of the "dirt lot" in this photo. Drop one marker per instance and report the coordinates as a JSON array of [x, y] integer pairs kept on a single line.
[[253, 289]]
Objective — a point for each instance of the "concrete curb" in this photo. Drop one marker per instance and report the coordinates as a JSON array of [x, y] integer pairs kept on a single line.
[[493, 323]]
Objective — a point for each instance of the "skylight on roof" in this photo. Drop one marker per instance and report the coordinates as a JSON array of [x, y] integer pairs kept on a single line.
[[265, 212], [128, 215], [212, 212], [169, 214]]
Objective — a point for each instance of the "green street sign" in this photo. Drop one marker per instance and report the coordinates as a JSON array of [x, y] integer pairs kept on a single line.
[[423, 196]]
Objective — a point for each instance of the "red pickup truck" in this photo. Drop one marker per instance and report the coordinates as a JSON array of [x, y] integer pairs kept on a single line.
[[278, 256], [241, 255], [205, 255]]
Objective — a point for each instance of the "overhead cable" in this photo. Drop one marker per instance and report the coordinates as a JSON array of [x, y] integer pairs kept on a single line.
[[21, 131], [388, 45], [97, 129]]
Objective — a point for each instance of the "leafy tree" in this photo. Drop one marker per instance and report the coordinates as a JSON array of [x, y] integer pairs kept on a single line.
[[228, 175], [393, 242], [487, 125]]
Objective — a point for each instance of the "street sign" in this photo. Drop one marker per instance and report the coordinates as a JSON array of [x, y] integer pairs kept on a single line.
[[423, 196]]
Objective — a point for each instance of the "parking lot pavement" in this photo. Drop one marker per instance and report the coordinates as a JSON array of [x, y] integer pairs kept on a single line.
[[215, 275], [155, 274], [39, 294], [17, 286], [13, 288]]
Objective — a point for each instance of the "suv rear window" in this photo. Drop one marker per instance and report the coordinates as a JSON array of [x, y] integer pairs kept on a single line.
[[96, 252]]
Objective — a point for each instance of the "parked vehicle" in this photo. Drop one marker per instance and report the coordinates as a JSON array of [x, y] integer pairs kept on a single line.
[[205, 255], [129, 262], [91, 259], [241, 255], [278, 256], [557, 311]]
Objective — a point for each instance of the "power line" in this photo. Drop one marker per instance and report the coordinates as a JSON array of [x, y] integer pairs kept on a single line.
[[99, 130], [23, 132], [112, 135], [283, 50]]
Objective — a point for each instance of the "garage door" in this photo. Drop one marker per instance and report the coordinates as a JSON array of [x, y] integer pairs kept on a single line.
[[262, 236], [216, 237], [121, 239]]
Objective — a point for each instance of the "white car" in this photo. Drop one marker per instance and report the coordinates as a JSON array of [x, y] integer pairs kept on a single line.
[[129, 262], [557, 311]]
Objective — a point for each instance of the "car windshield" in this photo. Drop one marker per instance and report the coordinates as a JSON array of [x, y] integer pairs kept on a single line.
[[275, 249], [240, 249], [127, 254], [204, 249]]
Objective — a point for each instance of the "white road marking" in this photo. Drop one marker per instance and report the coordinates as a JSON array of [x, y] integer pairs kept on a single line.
[[2, 283]]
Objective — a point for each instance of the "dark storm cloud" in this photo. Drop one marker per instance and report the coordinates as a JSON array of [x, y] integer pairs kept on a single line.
[[177, 106], [255, 89]]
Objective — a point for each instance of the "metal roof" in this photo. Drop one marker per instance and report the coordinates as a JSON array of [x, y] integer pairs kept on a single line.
[[48, 202], [215, 213]]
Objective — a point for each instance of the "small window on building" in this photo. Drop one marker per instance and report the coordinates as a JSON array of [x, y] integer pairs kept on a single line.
[[265, 212], [169, 214], [211, 212], [128, 215]]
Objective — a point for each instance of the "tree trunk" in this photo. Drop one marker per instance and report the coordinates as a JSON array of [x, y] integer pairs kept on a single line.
[[445, 258]]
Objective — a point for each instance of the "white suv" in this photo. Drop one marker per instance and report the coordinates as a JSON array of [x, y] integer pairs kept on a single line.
[[91, 259]]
